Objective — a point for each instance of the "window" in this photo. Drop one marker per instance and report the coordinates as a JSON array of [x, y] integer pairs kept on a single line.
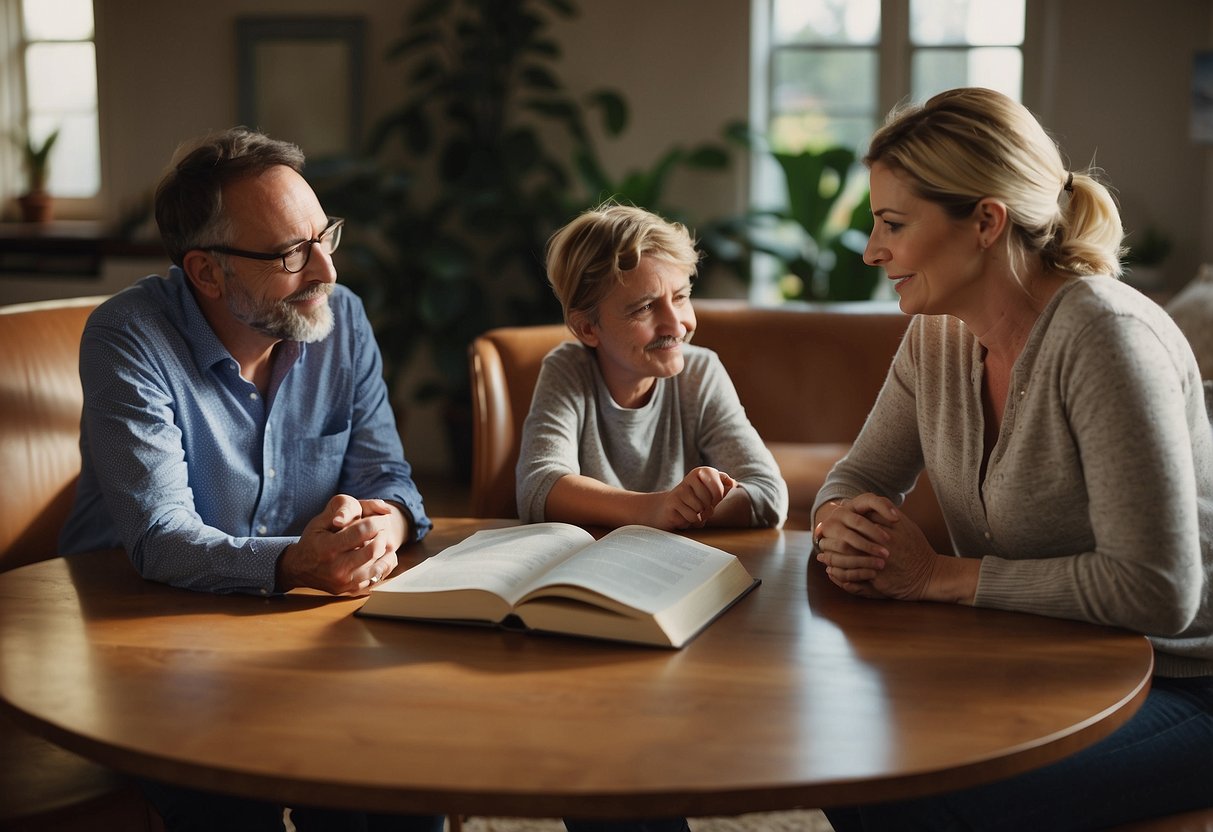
[[966, 43], [825, 73], [837, 66], [54, 87]]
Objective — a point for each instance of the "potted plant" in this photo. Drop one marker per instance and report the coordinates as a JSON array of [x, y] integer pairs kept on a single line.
[[466, 179], [818, 240], [36, 203]]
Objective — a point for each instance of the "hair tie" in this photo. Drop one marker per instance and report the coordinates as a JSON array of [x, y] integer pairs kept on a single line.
[[1069, 186]]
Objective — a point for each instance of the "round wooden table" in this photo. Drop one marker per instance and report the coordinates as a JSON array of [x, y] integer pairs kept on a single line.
[[798, 696]]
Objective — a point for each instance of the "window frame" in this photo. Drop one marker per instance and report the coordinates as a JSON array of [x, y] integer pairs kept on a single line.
[[14, 115], [894, 56]]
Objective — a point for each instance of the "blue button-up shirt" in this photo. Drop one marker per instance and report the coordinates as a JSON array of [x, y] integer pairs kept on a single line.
[[199, 477]]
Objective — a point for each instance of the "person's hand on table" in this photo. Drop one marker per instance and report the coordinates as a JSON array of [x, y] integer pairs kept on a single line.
[[871, 549], [690, 504], [346, 548]]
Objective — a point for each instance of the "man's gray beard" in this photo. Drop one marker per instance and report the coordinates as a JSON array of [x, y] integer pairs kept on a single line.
[[279, 319]]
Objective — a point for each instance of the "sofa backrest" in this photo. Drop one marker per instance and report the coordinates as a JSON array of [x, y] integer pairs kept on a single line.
[[805, 376], [40, 400], [504, 368]]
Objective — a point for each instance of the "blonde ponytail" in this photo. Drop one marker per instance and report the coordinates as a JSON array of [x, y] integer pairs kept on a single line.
[[1089, 234]]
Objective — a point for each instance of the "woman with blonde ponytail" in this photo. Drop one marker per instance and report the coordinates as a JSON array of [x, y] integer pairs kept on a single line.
[[1061, 418]]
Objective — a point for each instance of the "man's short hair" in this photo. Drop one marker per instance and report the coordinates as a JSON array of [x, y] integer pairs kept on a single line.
[[189, 198]]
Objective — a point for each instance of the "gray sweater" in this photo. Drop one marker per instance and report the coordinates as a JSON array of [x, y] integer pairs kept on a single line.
[[692, 419], [1097, 504]]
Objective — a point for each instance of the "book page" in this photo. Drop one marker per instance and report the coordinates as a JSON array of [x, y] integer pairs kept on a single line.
[[506, 562], [642, 567]]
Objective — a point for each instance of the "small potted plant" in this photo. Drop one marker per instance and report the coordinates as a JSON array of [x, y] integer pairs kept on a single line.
[[36, 202]]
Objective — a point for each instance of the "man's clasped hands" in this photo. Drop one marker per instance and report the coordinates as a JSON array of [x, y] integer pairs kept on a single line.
[[347, 547]]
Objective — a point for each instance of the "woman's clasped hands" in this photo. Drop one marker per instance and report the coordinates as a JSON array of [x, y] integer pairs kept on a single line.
[[870, 548]]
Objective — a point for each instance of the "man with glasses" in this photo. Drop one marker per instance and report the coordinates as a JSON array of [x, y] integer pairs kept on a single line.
[[236, 433]]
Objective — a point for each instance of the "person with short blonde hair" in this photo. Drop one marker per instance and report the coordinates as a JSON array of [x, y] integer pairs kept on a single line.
[[590, 255], [630, 423], [1061, 419], [609, 440]]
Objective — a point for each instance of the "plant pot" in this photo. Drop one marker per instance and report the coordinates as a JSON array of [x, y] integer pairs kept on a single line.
[[36, 206]]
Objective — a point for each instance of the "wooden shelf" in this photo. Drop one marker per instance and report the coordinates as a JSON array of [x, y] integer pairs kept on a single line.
[[66, 247]]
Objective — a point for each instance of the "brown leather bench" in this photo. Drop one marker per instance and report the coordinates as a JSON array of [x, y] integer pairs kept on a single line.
[[43, 786]]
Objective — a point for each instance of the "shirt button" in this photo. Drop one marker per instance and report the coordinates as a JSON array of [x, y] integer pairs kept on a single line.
[[989, 536], [271, 473], [253, 396], [262, 530]]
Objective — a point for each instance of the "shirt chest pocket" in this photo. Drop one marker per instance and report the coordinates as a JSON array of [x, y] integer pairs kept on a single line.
[[316, 464]]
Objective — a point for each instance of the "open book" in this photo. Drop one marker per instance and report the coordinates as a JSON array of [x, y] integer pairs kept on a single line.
[[635, 584]]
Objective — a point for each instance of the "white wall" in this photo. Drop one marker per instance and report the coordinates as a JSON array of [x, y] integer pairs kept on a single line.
[[1114, 86], [683, 66]]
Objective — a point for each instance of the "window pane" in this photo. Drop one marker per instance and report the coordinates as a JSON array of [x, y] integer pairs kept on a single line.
[[834, 81], [816, 131], [936, 70], [75, 168], [61, 76], [826, 21], [58, 19], [962, 22]]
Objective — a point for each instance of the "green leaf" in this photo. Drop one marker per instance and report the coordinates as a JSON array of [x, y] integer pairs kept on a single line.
[[613, 108], [416, 129], [553, 107], [416, 40], [850, 278], [561, 109], [454, 159], [647, 190], [428, 11], [708, 157], [539, 78], [810, 196], [563, 7], [397, 121], [739, 132], [427, 71], [591, 172], [522, 149], [546, 48]]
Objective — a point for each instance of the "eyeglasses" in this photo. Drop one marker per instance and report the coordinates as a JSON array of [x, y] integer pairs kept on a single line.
[[295, 259]]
